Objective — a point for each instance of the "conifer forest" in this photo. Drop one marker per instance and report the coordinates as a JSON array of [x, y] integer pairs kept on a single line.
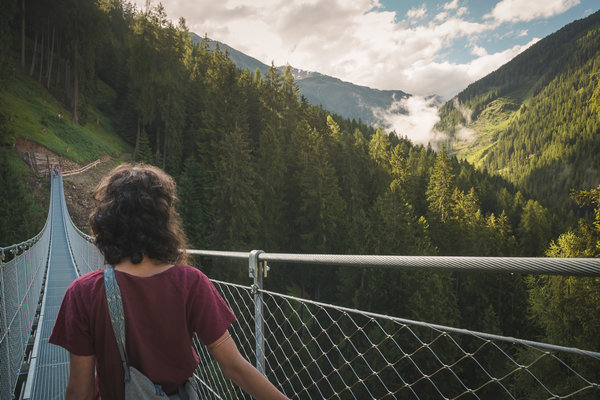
[[258, 167]]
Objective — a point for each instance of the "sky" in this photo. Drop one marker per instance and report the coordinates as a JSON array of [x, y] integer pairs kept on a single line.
[[420, 47]]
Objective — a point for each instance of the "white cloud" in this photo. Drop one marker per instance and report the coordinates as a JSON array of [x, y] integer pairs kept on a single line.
[[465, 134], [464, 110], [417, 125], [479, 51], [448, 79], [441, 16], [488, 63], [453, 5], [417, 13], [527, 10], [357, 41]]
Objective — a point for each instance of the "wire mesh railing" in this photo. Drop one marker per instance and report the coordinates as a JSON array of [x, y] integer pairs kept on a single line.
[[320, 351], [316, 350], [85, 254], [21, 278]]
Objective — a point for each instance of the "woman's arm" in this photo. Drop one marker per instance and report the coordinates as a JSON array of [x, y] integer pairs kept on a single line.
[[81, 378], [240, 371]]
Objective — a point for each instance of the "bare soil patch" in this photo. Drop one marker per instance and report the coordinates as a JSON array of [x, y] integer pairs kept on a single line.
[[78, 188], [32, 147], [78, 193]]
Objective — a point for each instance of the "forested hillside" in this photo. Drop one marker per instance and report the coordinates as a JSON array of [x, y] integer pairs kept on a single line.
[[258, 168], [537, 118]]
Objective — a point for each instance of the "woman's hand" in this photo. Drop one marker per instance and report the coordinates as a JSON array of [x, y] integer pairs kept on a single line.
[[240, 371]]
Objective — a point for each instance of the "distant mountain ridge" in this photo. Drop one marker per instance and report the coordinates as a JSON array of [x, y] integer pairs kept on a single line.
[[337, 96], [536, 120]]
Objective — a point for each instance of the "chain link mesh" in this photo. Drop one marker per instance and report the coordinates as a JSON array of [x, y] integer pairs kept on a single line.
[[20, 286], [86, 256], [321, 351]]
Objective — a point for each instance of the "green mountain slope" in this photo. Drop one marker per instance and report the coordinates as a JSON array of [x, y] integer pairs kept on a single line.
[[536, 120], [29, 111], [345, 98]]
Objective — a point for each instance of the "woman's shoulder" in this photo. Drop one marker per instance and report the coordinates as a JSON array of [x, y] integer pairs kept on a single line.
[[189, 271], [90, 277], [190, 275], [86, 286], [88, 281]]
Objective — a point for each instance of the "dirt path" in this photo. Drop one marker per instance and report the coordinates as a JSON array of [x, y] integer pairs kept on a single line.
[[78, 188], [78, 193]]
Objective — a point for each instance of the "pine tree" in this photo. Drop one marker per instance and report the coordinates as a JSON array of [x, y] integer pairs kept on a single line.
[[393, 215], [534, 229], [271, 168], [356, 190], [18, 212], [144, 152], [567, 307], [321, 205], [7, 13], [441, 187], [193, 205], [234, 199], [379, 151]]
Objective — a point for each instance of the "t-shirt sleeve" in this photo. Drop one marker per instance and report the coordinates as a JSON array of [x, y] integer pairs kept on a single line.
[[72, 328], [210, 316]]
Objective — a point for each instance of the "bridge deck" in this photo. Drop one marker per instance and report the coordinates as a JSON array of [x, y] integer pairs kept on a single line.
[[51, 367]]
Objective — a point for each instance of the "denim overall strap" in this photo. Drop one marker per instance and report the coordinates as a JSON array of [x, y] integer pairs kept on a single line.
[[117, 317]]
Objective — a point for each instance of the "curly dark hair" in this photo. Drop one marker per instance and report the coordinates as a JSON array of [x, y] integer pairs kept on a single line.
[[135, 217]]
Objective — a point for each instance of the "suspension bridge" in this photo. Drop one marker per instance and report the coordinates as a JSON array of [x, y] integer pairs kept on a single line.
[[310, 350]]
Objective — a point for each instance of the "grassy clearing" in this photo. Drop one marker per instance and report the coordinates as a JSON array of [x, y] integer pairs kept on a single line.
[[31, 112], [28, 110], [492, 121]]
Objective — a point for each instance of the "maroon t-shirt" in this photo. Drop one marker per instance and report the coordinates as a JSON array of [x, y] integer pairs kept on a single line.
[[161, 313]]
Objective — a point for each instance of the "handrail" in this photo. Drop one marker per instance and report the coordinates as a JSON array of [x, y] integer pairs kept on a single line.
[[518, 265], [24, 245], [218, 253], [82, 169]]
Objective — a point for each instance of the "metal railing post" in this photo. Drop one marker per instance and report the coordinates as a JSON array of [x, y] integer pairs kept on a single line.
[[29, 284], [5, 330], [256, 271], [16, 322]]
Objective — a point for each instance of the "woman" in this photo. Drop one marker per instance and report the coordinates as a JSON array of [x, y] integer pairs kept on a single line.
[[137, 230]]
